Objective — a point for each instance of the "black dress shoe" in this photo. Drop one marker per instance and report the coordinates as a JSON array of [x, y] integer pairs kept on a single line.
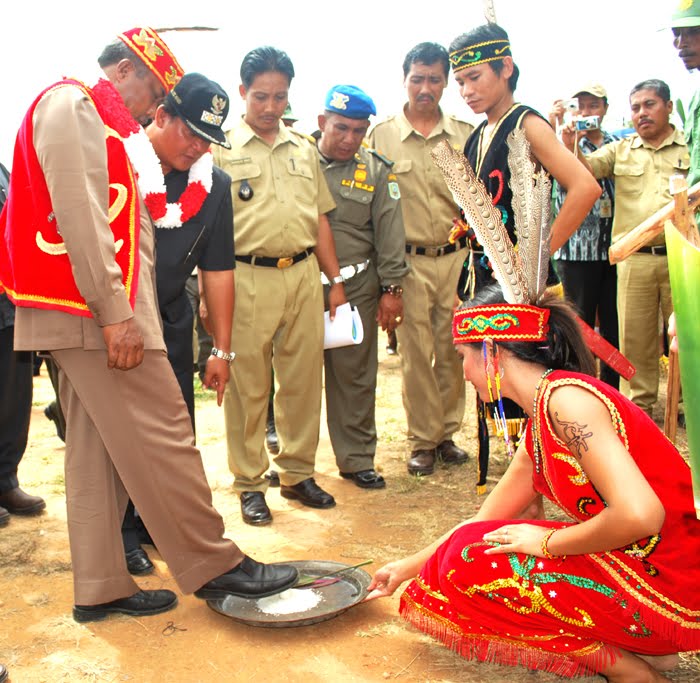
[[308, 493], [51, 412], [450, 453], [140, 604], [138, 563], [250, 579], [254, 509], [365, 479], [422, 461], [4, 673], [4, 517], [18, 502]]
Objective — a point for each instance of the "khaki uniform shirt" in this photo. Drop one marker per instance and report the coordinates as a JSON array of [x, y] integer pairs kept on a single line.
[[69, 139], [641, 173], [428, 207], [367, 222], [289, 191]]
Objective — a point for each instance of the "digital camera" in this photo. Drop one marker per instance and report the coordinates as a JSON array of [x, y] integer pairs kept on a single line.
[[587, 122]]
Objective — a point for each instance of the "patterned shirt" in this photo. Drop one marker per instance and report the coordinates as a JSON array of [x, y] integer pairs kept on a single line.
[[592, 239]]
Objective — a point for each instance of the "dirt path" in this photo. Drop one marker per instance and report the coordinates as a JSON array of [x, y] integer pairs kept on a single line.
[[40, 642]]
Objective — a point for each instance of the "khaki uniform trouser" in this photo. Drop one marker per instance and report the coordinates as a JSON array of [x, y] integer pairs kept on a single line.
[[643, 286], [278, 321], [433, 382], [351, 382], [128, 434]]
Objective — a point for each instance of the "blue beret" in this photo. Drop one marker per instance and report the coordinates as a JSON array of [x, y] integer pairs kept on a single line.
[[350, 101]]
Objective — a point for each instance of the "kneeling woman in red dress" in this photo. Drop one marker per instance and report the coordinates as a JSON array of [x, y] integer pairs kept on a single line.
[[615, 590]]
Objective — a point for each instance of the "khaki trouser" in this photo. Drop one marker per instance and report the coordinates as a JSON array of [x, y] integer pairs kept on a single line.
[[278, 321], [351, 382], [129, 434], [642, 287], [433, 382]]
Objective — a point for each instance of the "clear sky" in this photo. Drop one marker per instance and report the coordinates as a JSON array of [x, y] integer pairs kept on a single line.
[[558, 46]]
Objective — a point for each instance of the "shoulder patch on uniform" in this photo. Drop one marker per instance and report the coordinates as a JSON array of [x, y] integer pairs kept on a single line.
[[393, 187], [381, 157]]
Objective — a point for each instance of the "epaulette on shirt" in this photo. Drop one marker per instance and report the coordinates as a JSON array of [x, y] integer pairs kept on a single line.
[[381, 157], [308, 138]]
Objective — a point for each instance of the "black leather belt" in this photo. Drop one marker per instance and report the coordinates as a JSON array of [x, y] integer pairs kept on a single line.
[[657, 251], [271, 262], [437, 251]]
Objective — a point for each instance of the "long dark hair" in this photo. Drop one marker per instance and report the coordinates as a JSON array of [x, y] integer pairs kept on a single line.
[[564, 349], [482, 34]]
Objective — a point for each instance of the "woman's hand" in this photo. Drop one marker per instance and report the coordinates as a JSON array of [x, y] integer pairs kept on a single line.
[[517, 538], [387, 580]]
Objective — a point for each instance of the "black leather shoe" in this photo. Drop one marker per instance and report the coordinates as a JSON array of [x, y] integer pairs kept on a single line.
[[18, 502], [450, 453], [51, 412], [254, 509], [308, 493], [4, 518], [140, 604], [422, 461], [4, 673], [250, 579], [273, 478], [365, 479], [138, 563]]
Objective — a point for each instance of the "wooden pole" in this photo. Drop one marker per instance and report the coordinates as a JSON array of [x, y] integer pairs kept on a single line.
[[683, 221], [654, 226]]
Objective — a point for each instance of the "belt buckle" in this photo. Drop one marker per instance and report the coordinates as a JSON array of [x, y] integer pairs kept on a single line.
[[285, 262], [432, 251]]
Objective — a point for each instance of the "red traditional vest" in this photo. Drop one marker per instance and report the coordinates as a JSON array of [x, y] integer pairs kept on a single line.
[[35, 268]]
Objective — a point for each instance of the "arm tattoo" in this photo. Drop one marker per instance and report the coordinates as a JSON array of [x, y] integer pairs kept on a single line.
[[575, 436]]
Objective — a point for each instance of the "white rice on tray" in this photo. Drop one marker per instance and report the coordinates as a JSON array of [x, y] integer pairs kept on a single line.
[[291, 601]]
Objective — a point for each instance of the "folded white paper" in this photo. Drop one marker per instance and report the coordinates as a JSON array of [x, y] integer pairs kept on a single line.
[[345, 329]]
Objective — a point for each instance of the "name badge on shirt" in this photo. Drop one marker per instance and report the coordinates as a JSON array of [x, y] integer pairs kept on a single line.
[[606, 208]]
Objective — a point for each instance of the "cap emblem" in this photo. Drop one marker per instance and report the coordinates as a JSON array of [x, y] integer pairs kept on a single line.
[[339, 101], [148, 43]]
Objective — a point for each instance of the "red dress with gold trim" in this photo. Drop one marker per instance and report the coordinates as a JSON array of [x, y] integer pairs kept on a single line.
[[570, 616]]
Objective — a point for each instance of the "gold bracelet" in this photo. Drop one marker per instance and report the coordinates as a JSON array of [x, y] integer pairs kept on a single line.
[[545, 549]]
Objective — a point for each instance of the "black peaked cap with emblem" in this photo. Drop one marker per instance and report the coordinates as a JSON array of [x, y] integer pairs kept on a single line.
[[203, 105]]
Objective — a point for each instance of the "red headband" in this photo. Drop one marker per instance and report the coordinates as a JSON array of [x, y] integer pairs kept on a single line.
[[155, 54], [500, 322]]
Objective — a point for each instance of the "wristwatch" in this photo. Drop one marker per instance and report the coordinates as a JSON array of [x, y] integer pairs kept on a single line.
[[337, 280], [228, 357], [394, 290]]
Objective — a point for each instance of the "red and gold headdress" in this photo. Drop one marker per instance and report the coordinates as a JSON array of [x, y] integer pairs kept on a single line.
[[521, 272], [500, 322], [155, 54]]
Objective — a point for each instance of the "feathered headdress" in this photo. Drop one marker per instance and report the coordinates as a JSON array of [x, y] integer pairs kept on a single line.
[[521, 271]]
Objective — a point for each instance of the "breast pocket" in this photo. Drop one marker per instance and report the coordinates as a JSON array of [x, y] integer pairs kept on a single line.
[[355, 206], [629, 178], [302, 180], [401, 166], [243, 176]]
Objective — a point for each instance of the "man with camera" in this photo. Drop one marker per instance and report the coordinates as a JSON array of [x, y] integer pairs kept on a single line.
[[590, 281], [641, 166]]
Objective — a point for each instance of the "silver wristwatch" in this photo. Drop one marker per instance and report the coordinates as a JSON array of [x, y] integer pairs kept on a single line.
[[337, 280], [228, 357]]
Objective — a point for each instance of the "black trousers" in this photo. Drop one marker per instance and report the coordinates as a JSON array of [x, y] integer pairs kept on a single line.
[[591, 286], [16, 368]]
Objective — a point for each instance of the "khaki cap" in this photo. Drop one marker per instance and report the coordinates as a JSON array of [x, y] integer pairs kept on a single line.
[[595, 89]]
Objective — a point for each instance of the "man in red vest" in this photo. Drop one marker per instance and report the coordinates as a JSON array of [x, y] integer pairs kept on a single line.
[[77, 259]]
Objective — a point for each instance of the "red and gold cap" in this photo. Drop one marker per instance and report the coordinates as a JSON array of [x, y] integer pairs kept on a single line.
[[155, 54], [500, 322]]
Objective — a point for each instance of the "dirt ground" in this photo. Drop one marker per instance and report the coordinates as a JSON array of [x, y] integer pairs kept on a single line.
[[39, 641]]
